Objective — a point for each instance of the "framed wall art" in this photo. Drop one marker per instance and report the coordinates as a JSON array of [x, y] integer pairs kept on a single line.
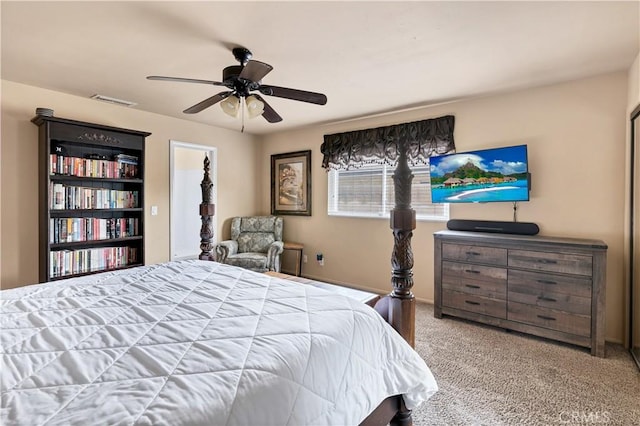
[[291, 183]]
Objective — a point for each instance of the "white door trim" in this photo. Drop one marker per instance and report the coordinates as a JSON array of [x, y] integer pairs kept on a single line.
[[213, 157]]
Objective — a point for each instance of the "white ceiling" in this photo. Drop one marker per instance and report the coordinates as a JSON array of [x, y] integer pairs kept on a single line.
[[367, 57]]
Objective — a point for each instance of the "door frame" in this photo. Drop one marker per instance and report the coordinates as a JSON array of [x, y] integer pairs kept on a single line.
[[634, 207], [212, 152]]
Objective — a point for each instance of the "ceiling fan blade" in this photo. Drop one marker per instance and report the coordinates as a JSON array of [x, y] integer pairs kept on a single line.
[[269, 113], [184, 80], [295, 94], [255, 71], [207, 102]]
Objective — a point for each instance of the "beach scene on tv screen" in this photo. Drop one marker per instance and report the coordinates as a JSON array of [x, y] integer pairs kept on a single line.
[[498, 174]]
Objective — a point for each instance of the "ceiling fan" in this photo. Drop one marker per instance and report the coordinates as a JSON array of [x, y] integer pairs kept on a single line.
[[242, 80]]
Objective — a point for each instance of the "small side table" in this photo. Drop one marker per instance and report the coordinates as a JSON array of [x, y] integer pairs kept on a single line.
[[297, 247]]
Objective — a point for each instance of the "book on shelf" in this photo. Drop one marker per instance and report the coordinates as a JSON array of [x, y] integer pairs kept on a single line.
[[71, 262], [124, 158], [74, 229], [94, 166], [70, 197], [58, 198], [128, 165]]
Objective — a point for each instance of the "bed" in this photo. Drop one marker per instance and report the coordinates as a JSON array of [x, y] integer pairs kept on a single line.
[[199, 342]]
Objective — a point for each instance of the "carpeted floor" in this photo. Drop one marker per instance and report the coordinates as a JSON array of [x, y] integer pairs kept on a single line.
[[488, 376]]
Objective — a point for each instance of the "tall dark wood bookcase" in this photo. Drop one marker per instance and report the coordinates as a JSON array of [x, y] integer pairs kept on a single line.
[[91, 197]]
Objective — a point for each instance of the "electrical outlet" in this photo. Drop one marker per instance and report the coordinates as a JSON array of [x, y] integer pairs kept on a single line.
[[154, 210], [320, 259], [304, 258]]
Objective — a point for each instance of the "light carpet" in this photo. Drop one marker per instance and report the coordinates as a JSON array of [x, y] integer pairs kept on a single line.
[[488, 376]]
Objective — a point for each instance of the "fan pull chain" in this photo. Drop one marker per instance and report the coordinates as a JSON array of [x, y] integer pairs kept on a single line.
[[242, 107]]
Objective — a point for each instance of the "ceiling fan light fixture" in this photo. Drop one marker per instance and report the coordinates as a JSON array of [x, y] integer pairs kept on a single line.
[[240, 80], [255, 106], [231, 105]]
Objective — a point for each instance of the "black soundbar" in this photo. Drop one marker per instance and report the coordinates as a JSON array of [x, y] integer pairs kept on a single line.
[[521, 228]]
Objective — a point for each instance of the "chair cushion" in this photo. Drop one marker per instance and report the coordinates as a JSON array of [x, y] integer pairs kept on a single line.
[[255, 242], [253, 261]]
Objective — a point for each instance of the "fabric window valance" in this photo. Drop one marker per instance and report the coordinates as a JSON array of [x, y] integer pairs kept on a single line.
[[419, 140]]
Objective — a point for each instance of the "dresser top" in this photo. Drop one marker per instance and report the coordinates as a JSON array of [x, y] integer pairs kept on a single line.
[[540, 239]]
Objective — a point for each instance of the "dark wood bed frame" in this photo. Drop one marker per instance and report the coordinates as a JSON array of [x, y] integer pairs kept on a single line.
[[397, 308]]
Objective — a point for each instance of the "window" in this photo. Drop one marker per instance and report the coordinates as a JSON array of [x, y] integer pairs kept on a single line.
[[369, 192]]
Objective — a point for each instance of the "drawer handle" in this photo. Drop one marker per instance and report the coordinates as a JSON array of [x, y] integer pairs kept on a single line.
[[547, 261], [472, 286], [471, 271], [544, 317], [471, 303], [547, 282], [473, 253], [547, 299]]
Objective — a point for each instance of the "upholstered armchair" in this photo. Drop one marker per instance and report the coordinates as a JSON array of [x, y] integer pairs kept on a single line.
[[256, 243]]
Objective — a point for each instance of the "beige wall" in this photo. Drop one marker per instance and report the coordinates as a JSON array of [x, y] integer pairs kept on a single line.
[[575, 133], [19, 156]]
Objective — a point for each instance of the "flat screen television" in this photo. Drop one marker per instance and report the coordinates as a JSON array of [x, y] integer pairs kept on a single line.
[[483, 176]]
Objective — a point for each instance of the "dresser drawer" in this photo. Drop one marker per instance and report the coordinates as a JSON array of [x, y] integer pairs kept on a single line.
[[539, 282], [558, 301], [475, 279], [468, 253], [560, 292], [472, 303], [549, 318], [552, 262]]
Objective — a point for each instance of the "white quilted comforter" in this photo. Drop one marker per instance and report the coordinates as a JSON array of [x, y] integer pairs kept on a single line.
[[197, 343]]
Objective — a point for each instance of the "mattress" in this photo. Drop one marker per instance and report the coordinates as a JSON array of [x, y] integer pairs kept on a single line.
[[197, 343]]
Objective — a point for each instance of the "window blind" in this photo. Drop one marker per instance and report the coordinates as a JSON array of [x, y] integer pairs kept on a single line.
[[369, 192]]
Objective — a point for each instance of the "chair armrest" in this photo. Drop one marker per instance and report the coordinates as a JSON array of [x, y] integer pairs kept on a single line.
[[226, 248], [273, 255]]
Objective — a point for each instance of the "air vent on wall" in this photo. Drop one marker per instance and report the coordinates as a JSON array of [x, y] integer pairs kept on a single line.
[[113, 100]]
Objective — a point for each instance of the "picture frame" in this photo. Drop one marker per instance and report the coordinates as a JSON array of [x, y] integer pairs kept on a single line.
[[291, 183]]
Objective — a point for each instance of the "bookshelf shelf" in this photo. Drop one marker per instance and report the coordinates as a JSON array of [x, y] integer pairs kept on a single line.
[[63, 178], [93, 243], [91, 192], [76, 212]]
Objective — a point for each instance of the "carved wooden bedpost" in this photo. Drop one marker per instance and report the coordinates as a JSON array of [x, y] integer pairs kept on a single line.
[[402, 309], [415, 142], [402, 143], [207, 210]]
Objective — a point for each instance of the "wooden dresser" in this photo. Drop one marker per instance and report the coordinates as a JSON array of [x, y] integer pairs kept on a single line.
[[546, 286]]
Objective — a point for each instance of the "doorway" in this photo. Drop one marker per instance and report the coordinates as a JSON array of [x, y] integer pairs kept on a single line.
[[186, 162]]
